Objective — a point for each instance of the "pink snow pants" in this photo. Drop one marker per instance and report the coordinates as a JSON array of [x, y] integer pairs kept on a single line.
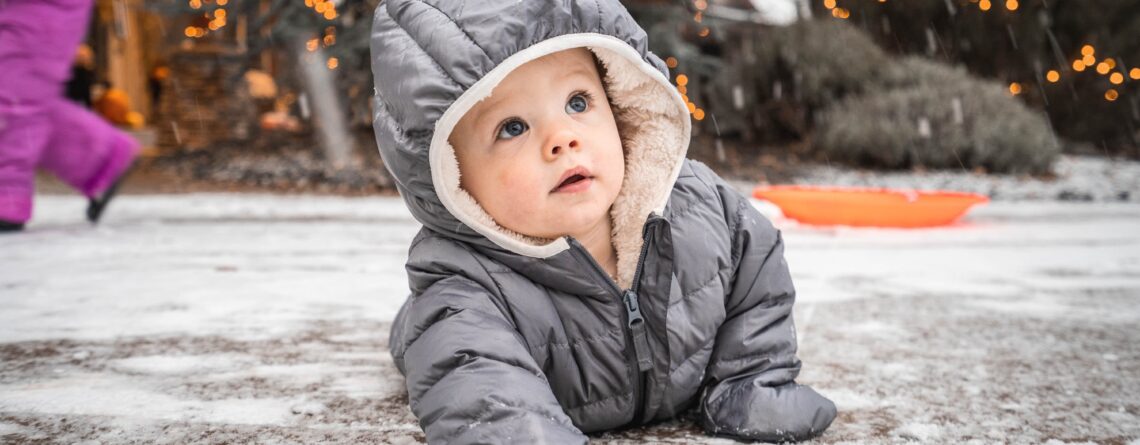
[[38, 127]]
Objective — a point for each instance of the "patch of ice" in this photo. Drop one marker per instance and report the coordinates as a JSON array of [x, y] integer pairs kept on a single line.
[[104, 395], [897, 371], [846, 399], [924, 432], [1119, 417], [1037, 305], [243, 266], [876, 328], [11, 428], [177, 364], [309, 408], [405, 440]]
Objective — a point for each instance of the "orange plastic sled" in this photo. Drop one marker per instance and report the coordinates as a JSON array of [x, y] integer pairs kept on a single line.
[[869, 207]]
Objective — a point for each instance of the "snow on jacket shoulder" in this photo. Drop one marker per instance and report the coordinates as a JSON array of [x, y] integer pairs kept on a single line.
[[506, 338]]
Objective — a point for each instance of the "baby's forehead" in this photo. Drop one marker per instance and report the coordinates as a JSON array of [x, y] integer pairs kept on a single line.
[[573, 57], [533, 79]]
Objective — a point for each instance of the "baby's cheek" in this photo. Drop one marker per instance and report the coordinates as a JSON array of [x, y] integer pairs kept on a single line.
[[520, 187], [518, 207], [518, 181]]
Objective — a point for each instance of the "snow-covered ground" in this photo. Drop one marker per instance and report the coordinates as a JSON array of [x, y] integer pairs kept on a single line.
[[1077, 178], [247, 318]]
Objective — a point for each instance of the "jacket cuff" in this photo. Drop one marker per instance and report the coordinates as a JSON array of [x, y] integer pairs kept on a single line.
[[746, 409]]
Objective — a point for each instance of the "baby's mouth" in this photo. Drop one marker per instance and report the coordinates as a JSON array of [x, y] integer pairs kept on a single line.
[[574, 180]]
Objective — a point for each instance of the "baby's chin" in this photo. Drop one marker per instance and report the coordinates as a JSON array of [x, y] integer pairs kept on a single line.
[[573, 220]]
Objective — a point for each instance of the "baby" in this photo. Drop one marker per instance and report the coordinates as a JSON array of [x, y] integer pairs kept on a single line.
[[575, 272]]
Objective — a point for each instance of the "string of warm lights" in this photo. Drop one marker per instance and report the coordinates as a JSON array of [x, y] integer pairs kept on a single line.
[[329, 39], [699, 16], [325, 8], [217, 18], [1105, 67], [1087, 60], [683, 88], [682, 80]]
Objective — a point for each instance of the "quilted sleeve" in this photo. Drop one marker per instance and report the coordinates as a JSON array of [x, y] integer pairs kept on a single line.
[[750, 390], [470, 377]]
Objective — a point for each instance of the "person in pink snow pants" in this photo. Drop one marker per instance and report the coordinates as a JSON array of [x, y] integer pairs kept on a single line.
[[38, 127]]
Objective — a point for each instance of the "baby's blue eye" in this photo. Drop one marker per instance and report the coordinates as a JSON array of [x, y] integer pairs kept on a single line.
[[512, 128], [577, 104]]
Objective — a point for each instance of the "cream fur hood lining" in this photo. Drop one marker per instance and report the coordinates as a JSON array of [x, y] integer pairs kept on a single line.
[[652, 119]]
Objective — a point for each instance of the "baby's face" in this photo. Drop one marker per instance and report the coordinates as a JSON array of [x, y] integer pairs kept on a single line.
[[542, 154]]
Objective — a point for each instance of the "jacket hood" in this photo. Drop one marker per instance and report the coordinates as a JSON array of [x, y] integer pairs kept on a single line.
[[433, 60]]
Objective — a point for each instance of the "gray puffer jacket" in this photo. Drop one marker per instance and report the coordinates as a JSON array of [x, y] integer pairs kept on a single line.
[[511, 339]]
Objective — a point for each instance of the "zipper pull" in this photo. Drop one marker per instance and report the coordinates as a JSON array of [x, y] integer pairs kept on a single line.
[[637, 328]]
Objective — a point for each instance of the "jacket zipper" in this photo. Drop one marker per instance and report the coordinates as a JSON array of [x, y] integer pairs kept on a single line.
[[635, 323]]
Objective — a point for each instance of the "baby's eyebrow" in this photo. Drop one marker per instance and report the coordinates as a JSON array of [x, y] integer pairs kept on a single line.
[[580, 71], [484, 113], [485, 109], [489, 103]]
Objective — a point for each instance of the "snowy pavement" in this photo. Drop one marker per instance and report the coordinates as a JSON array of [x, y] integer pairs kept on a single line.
[[239, 318], [1075, 178]]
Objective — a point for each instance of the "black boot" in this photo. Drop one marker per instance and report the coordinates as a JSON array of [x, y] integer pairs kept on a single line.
[[6, 226], [96, 205]]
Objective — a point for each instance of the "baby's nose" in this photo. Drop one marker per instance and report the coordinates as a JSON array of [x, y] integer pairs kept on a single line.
[[562, 140], [573, 143]]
